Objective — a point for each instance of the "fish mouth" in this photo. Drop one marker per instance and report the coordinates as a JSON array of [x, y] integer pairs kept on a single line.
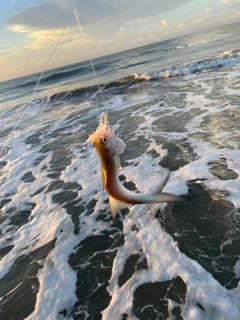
[[117, 145], [114, 149]]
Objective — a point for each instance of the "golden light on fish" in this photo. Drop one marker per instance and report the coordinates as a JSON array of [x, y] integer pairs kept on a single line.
[[108, 146]]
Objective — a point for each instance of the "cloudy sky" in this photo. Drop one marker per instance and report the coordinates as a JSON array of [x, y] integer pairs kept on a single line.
[[31, 29]]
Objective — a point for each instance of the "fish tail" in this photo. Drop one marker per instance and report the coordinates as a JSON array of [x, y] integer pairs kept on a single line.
[[166, 197], [161, 186], [159, 196]]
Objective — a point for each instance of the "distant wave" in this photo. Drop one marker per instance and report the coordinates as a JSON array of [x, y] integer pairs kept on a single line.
[[131, 65], [66, 95], [225, 59], [87, 91], [58, 76], [65, 74]]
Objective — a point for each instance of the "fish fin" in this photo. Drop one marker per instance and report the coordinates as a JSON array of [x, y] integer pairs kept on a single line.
[[160, 196], [104, 177], [119, 164], [166, 197], [161, 186], [116, 206]]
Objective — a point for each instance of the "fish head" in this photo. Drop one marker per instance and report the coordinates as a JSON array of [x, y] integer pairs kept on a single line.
[[106, 142]]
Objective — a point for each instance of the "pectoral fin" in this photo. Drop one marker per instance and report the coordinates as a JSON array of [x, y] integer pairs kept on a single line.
[[116, 206], [119, 164]]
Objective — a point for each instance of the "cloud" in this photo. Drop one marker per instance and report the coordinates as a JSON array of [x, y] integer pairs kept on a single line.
[[12, 69], [180, 26], [53, 14], [44, 15], [163, 22], [229, 1], [43, 23], [198, 21], [39, 39]]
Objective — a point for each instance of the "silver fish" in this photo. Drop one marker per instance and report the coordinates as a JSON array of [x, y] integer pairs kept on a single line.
[[108, 146]]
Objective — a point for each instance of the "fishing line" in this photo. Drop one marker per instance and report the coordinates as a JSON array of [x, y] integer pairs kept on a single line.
[[38, 82], [28, 104], [76, 13], [50, 58]]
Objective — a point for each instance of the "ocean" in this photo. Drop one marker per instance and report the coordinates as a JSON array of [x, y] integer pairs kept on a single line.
[[176, 105]]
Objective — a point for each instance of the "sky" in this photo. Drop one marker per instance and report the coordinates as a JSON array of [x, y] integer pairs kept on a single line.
[[45, 34]]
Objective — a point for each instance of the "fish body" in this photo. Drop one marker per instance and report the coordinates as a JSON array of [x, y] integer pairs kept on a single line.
[[108, 146]]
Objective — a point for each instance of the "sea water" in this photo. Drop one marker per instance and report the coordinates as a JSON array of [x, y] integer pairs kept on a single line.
[[176, 106]]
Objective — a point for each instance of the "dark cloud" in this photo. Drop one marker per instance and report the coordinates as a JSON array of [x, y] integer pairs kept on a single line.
[[44, 15], [55, 13]]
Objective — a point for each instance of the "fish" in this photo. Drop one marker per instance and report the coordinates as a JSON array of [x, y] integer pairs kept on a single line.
[[109, 146]]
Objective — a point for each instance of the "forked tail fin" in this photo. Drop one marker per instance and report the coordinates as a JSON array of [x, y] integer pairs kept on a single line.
[[159, 196], [161, 186], [166, 197]]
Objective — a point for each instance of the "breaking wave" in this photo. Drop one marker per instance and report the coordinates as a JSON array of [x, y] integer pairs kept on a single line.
[[227, 58]]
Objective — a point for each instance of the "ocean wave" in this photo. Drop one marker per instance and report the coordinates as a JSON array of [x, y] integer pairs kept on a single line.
[[132, 65], [225, 59], [66, 95], [58, 76], [86, 92], [65, 74]]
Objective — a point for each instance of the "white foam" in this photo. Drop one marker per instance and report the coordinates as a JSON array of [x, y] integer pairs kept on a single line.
[[165, 262], [47, 222], [57, 279]]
